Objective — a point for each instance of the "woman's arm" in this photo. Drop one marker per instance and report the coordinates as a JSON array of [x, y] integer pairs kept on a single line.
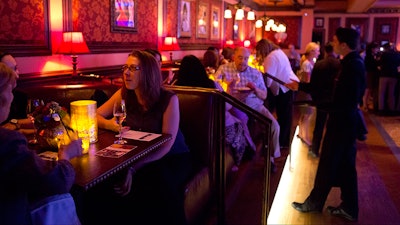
[[106, 111]]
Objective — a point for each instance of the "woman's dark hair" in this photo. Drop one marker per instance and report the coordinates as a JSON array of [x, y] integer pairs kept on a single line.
[[263, 48], [227, 52], [192, 73], [150, 79], [153, 52], [210, 59]]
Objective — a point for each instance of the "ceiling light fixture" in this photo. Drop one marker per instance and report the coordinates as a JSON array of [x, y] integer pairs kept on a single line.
[[239, 12], [269, 23]]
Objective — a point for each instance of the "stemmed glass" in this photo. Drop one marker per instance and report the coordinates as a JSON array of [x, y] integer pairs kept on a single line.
[[119, 112], [30, 108]]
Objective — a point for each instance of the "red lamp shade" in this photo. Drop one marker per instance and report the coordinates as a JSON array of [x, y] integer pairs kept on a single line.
[[73, 44], [170, 44]]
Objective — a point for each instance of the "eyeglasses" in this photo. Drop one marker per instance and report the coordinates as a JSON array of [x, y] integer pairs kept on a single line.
[[131, 68]]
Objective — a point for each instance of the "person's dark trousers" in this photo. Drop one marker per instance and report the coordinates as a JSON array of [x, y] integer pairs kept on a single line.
[[320, 120], [282, 104], [337, 168]]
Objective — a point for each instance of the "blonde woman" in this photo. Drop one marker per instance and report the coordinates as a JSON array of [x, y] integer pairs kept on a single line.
[[308, 60], [306, 66]]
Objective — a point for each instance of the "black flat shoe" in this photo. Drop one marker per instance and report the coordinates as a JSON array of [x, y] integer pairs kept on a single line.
[[339, 211], [304, 207]]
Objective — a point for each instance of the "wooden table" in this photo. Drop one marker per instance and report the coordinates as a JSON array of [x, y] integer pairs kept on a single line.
[[91, 169]]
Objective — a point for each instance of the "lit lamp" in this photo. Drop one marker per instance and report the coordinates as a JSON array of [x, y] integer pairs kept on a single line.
[[84, 121], [73, 44], [251, 15], [227, 13], [170, 44]]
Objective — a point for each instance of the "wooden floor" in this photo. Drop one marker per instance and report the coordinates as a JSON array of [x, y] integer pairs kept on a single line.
[[378, 183]]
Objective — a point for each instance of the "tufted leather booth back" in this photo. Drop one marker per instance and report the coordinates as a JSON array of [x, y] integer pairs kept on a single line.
[[202, 121]]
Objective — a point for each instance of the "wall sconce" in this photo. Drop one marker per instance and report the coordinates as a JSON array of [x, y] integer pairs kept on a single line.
[[170, 44], [84, 121], [246, 43], [229, 43], [73, 44]]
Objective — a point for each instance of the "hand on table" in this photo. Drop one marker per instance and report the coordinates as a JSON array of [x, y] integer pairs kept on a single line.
[[70, 151]]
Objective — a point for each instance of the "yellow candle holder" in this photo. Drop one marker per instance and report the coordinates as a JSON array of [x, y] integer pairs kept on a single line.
[[84, 121]]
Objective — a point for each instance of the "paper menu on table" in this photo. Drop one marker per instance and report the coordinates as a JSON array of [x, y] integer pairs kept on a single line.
[[115, 150], [139, 135]]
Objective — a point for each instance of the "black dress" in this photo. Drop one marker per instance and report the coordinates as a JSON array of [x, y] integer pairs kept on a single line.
[[157, 193]]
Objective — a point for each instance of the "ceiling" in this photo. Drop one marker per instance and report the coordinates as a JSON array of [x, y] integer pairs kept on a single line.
[[349, 6]]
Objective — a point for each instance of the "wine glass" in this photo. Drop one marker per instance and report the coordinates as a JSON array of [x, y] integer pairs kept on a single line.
[[119, 112], [235, 82], [30, 108]]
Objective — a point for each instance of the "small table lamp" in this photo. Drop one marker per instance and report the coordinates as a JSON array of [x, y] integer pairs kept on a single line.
[[170, 44], [73, 44], [84, 121]]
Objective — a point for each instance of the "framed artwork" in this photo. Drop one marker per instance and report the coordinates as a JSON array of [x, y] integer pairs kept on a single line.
[[215, 23], [184, 28], [319, 22], [202, 20], [385, 29], [123, 16]]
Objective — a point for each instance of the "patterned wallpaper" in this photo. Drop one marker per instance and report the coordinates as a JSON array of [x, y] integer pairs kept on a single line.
[[23, 22]]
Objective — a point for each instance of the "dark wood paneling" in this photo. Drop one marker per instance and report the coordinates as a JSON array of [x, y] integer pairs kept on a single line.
[[334, 23]]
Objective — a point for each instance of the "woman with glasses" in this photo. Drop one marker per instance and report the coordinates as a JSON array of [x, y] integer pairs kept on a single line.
[[152, 189]]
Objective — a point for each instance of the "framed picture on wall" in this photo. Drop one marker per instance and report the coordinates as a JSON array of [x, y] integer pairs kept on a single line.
[[319, 22], [202, 20], [385, 29], [184, 28], [123, 16], [215, 23]]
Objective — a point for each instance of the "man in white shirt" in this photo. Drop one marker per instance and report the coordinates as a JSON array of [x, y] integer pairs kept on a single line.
[[276, 65]]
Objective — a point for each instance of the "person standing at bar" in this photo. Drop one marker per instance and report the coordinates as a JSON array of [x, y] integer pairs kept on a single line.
[[337, 165], [280, 98], [320, 88]]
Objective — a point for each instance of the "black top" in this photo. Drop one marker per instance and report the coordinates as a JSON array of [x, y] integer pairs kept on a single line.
[[151, 120]]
